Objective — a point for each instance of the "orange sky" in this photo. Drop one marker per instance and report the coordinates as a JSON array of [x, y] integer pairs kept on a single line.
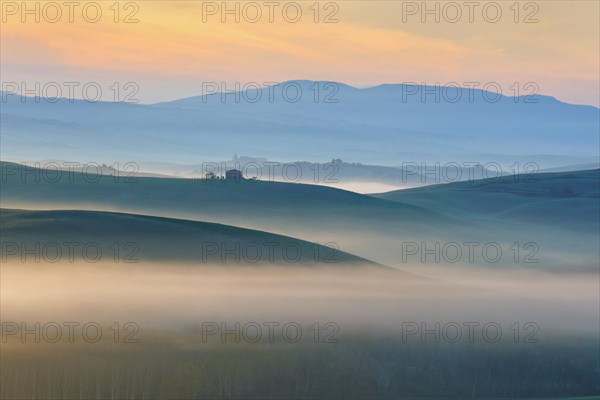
[[170, 51]]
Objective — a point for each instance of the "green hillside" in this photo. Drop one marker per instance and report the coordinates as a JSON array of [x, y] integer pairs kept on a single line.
[[558, 212], [270, 206], [127, 238], [569, 200]]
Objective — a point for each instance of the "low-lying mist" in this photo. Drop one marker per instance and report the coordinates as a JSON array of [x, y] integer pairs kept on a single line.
[[172, 297], [488, 244]]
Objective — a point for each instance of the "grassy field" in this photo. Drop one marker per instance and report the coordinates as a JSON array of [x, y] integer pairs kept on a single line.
[[176, 366]]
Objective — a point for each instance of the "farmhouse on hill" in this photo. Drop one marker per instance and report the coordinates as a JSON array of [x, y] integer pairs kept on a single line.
[[234, 174]]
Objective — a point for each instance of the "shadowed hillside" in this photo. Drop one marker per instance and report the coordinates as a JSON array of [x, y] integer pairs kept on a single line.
[[130, 238], [568, 200], [540, 218], [272, 206]]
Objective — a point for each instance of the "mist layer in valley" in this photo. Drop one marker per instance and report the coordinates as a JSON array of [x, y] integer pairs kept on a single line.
[[237, 332], [549, 223], [396, 315]]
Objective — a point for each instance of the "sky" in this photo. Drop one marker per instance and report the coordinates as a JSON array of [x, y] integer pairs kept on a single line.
[[169, 49]]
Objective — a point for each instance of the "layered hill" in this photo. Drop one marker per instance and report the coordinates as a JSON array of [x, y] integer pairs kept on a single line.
[[269, 206], [554, 217], [305, 120]]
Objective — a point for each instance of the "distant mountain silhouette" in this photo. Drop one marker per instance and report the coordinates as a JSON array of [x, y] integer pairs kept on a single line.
[[381, 125]]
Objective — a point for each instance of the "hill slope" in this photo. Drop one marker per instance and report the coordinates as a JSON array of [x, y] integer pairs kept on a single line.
[[564, 199], [269, 206], [128, 238]]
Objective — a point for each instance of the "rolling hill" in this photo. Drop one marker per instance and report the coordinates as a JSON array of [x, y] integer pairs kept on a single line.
[[270, 206], [559, 214], [126, 238], [555, 214], [364, 225], [568, 200]]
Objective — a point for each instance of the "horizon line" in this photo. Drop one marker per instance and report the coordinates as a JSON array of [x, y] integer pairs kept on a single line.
[[263, 86]]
